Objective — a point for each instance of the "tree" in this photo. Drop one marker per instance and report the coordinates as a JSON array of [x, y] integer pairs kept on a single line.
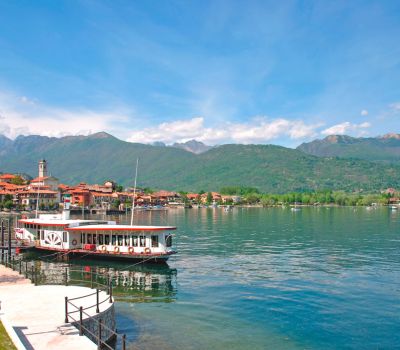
[[18, 180], [8, 204], [209, 197], [252, 198]]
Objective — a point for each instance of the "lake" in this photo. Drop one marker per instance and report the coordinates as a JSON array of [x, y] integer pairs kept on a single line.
[[268, 278]]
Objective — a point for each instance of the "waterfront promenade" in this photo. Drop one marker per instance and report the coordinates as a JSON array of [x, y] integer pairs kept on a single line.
[[34, 315]]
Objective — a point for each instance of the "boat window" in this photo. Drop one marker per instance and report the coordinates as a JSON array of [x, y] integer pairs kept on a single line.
[[120, 240], [94, 238], [135, 241], [113, 239], [126, 240], [42, 235], [89, 238], [154, 241], [100, 239], [168, 240], [65, 236], [107, 239], [142, 240]]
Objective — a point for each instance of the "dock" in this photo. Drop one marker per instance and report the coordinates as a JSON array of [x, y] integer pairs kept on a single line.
[[34, 316]]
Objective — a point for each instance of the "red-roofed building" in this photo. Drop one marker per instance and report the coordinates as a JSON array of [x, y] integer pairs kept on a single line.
[[102, 200], [47, 198], [80, 196], [391, 191], [7, 178], [216, 197], [163, 197]]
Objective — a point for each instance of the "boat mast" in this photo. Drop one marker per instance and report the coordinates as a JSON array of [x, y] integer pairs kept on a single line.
[[134, 191], [37, 203]]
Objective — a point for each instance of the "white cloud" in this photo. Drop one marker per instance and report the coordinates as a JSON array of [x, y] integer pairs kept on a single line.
[[347, 128], [395, 106], [20, 115], [364, 112], [258, 130]]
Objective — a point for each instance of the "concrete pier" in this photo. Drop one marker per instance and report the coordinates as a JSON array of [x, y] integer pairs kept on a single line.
[[34, 315]]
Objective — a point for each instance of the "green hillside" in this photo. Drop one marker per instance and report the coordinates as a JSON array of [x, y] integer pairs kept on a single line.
[[385, 148], [269, 168]]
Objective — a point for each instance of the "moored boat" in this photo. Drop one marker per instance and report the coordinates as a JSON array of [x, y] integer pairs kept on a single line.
[[97, 238]]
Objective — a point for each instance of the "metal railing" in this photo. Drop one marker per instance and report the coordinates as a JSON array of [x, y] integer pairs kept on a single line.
[[99, 324], [30, 271]]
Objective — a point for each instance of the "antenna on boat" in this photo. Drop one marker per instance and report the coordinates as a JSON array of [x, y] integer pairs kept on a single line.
[[134, 191]]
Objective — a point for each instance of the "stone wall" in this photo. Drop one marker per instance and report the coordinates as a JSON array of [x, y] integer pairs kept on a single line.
[[107, 319]]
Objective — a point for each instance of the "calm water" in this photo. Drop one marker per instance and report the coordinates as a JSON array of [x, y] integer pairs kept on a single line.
[[320, 278]]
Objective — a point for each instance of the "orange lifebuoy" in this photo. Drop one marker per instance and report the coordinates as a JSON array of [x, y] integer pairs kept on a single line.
[[116, 249], [131, 250], [103, 248], [147, 251]]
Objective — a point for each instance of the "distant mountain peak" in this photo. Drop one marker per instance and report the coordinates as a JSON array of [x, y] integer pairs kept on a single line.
[[339, 139], [193, 146], [100, 135], [391, 135]]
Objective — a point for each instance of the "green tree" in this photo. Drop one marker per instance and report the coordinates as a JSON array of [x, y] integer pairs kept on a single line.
[[252, 198], [209, 198], [18, 180], [8, 204], [116, 203]]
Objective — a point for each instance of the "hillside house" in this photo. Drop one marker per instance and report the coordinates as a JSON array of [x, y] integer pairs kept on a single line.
[[46, 197], [7, 178]]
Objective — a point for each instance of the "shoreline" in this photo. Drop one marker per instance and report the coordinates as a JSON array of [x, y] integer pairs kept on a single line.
[[231, 206]]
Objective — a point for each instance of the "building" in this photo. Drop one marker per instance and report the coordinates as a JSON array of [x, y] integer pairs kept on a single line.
[[45, 198], [45, 183], [7, 178]]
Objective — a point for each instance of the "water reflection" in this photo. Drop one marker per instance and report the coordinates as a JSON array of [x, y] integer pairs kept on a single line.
[[138, 283]]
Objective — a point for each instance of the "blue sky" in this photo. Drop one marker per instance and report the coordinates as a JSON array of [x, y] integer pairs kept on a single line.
[[279, 72]]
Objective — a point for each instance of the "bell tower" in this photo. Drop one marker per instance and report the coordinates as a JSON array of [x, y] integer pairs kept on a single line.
[[42, 168]]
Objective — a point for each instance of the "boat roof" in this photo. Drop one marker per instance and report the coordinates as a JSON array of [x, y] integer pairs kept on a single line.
[[63, 222], [114, 227]]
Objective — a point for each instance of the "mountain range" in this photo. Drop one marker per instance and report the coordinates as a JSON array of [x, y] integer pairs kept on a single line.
[[383, 148], [98, 157]]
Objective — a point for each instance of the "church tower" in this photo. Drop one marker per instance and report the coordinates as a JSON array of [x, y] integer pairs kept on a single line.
[[43, 168]]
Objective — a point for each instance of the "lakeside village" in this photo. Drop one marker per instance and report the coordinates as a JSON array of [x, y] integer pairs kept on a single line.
[[46, 193]]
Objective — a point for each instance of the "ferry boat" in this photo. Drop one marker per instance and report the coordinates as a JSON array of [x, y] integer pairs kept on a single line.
[[96, 238]]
